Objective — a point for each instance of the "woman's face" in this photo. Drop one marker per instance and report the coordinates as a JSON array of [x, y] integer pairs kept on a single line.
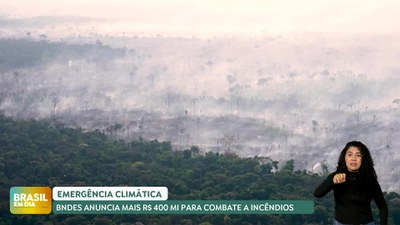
[[353, 159]]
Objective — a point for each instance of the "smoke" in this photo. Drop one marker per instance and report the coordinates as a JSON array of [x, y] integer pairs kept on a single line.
[[286, 98]]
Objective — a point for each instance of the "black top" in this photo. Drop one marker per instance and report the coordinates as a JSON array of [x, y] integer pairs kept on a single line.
[[353, 199]]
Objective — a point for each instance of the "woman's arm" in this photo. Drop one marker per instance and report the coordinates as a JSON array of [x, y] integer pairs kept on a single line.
[[325, 187], [380, 203]]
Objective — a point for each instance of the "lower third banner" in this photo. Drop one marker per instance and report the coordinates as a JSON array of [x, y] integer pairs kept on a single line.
[[185, 207]]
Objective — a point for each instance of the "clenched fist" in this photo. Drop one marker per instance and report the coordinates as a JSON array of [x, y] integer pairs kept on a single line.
[[339, 178]]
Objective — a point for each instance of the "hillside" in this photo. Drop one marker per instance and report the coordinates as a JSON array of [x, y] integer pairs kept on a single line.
[[299, 97], [39, 152]]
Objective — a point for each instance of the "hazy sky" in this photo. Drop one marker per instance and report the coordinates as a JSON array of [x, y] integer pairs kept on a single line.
[[224, 16]]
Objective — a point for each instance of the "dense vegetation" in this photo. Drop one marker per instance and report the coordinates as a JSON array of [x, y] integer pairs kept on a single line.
[[25, 53], [46, 153]]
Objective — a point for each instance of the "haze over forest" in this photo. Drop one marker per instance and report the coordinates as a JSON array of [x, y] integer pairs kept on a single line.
[[300, 96]]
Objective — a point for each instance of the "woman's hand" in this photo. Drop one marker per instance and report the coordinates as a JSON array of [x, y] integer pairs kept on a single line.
[[339, 178]]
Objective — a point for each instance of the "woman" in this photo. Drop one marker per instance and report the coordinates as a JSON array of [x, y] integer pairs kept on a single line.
[[354, 185]]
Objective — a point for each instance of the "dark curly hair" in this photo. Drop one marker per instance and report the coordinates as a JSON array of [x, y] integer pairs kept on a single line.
[[367, 171]]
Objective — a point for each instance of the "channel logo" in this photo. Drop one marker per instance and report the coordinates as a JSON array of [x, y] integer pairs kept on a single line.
[[30, 200]]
